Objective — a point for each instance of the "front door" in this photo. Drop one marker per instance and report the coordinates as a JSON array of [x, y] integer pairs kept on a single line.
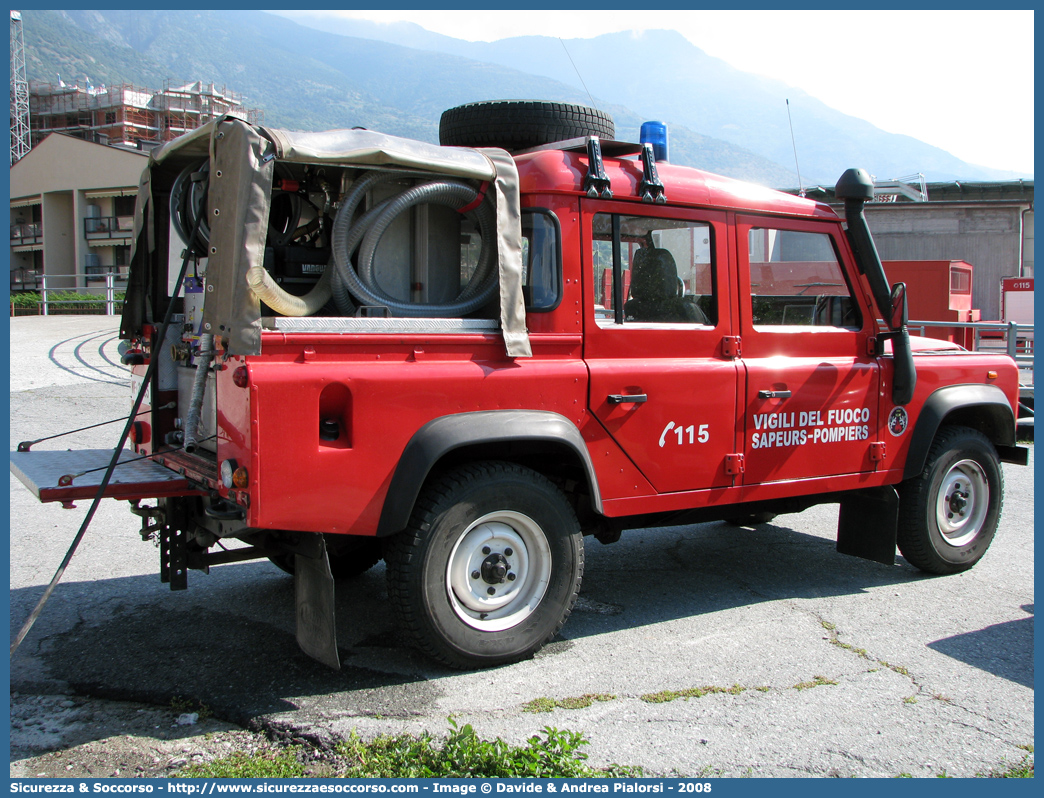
[[811, 401], [659, 299]]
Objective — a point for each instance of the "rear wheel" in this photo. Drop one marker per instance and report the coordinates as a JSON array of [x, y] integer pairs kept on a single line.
[[519, 124], [948, 513], [490, 566]]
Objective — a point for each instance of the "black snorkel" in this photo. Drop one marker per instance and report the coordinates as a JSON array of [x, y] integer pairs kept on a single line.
[[855, 187]]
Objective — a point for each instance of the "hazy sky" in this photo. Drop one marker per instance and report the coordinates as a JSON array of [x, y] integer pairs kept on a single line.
[[959, 80]]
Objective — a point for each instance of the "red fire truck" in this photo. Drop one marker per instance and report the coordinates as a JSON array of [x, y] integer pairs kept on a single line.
[[464, 359]]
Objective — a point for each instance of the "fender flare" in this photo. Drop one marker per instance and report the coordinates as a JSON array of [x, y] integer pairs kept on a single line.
[[442, 435], [997, 420]]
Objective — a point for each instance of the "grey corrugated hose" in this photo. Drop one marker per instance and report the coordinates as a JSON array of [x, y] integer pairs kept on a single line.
[[199, 385]]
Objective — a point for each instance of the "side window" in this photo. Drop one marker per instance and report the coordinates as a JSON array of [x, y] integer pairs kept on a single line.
[[796, 280], [653, 272], [541, 260]]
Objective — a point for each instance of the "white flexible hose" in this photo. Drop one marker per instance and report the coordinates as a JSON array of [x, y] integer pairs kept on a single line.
[[268, 291]]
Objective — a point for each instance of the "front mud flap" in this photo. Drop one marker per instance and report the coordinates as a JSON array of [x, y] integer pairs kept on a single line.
[[868, 523], [316, 623]]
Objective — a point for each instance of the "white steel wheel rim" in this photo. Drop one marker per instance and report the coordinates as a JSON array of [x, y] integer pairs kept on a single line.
[[962, 502], [498, 571]]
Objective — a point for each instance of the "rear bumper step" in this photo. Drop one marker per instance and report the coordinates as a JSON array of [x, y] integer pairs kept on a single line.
[[46, 475]]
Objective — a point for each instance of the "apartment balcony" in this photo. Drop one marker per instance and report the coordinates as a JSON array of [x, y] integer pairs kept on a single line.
[[26, 237], [106, 230]]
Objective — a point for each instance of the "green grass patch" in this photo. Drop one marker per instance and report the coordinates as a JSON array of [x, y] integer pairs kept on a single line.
[[861, 652], [540, 705], [1023, 769], [665, 696], [584, 700], [464, 754], [577, 702], [817, 681], [460, 754], [849, 647], [897, 668]]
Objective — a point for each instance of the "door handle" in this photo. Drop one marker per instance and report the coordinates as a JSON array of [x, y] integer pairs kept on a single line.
[[623, 399], [774, 394]]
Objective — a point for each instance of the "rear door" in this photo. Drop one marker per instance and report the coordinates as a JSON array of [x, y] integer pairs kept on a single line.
[[660, 382], [810, 396]]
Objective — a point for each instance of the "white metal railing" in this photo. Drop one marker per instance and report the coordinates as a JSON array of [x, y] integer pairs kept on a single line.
[[1005, 336], [80, 283], [1008, 337]]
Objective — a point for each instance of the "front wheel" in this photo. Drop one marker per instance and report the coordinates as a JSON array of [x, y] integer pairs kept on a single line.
[[948, 513], [490, 566]]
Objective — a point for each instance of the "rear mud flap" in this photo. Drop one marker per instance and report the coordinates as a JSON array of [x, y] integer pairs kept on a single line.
[[867, 524], [316, 624]]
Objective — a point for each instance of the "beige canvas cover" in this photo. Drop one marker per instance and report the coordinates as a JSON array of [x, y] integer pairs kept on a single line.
[[242, 162]]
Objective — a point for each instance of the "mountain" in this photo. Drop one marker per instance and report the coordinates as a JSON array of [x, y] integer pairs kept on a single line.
[[312, 80], [56, 49], [661, 75], [399, 78]]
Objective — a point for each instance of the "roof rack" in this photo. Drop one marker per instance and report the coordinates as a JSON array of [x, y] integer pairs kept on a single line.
[[596, 182], [614, 149]]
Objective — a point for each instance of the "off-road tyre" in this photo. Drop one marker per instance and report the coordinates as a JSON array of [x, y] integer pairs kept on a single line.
[[347, 561], [440, 568], [948, 513], [520, 124]]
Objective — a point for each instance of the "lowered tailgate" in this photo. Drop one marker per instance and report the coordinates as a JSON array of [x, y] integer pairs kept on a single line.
[[63, 476]]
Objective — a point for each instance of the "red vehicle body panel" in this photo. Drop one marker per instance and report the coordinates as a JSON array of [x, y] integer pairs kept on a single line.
[[383, 390]]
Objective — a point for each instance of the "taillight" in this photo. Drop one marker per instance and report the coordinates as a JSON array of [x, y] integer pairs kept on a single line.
[[233, 475], [227, 469]]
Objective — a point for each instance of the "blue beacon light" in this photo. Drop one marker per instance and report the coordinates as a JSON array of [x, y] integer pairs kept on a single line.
[[655, 133]]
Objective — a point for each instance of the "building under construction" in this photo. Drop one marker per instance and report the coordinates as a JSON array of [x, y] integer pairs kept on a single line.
[[128, 115]]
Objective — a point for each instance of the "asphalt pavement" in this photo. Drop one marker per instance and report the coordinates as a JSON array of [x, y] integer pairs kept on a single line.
[[805, 662]]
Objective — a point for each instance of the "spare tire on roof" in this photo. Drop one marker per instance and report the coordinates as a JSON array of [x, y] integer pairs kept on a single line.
[[519, 124]]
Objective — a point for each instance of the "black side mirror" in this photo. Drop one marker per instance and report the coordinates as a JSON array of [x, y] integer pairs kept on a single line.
[[900, 314]]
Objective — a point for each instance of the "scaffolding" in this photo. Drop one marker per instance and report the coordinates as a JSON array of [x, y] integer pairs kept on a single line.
[[19, 91], [129, 115]]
